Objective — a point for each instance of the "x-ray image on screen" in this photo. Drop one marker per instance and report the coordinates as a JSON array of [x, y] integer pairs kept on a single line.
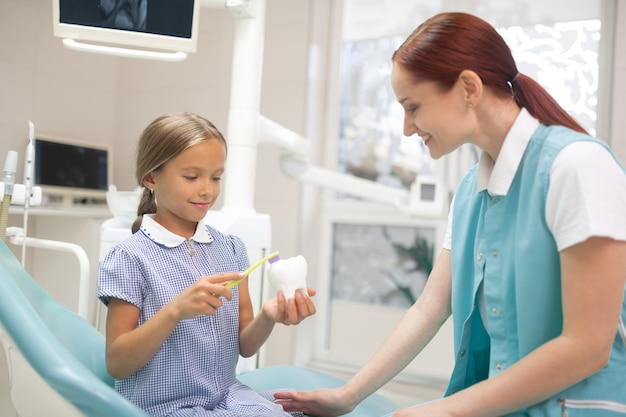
[[162, 17], [124, 14]]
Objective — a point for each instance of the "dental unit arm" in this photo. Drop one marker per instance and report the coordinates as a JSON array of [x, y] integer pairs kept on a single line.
[[427, 196], [27, 195], [18, 194], [29, 160]]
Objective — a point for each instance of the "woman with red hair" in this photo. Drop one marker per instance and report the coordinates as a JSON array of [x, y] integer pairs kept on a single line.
[[533, 266]]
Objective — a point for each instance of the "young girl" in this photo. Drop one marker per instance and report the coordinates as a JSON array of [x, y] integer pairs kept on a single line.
[[534, 263], [174, 333]]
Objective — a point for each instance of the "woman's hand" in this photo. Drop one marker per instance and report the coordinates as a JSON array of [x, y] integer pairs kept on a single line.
[[321, 402], [203, 297], [335, 402], [290, 311]]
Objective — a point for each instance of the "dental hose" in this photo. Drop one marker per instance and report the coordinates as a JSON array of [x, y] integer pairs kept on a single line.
[[4, 215], [8, 179]]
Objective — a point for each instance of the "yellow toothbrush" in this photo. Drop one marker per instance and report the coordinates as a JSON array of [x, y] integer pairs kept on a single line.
[[252, 268]]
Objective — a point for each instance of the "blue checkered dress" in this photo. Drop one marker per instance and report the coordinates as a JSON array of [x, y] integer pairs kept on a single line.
[[193, 373]]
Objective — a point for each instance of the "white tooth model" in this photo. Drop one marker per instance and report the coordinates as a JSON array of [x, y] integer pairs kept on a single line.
[[288, 275]]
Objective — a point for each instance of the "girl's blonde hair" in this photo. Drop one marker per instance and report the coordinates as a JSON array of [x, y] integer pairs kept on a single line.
[[162, 140]]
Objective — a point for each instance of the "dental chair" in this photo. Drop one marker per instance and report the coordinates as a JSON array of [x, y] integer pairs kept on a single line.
[[56, 362], [55, 358]]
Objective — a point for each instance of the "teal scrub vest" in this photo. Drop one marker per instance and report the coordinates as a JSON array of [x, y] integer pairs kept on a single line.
[[503, 243]]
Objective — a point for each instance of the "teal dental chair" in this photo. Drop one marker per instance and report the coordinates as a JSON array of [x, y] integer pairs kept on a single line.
[[56, 358]]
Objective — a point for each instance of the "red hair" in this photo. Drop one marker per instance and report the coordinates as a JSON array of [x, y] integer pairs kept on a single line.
[[448, 43]]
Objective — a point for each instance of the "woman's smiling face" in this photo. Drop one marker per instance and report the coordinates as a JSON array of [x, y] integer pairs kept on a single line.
[[439, 117]]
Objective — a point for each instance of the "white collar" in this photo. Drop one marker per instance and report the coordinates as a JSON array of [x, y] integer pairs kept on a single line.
[[161, 235], [497, 177]]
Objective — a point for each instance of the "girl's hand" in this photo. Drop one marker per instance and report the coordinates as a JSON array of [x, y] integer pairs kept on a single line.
[[203, 296], [291, 311]]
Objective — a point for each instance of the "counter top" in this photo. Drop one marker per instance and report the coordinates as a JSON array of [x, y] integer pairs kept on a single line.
[[76, 210]]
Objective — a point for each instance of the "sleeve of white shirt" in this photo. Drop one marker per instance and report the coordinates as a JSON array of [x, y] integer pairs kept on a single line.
[[447, 239], [586, 196]]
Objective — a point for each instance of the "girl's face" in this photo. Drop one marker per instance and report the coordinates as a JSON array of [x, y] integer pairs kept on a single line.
[[440, 118], [187, 186]]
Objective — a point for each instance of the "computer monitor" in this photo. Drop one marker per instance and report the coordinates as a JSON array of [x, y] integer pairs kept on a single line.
[[68, 170]]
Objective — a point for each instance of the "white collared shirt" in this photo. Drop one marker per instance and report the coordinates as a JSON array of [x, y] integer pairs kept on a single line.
[[587, 192], [161, 235]]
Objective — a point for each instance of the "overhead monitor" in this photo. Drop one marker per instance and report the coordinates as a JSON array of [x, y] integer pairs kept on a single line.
[[153, 25]]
